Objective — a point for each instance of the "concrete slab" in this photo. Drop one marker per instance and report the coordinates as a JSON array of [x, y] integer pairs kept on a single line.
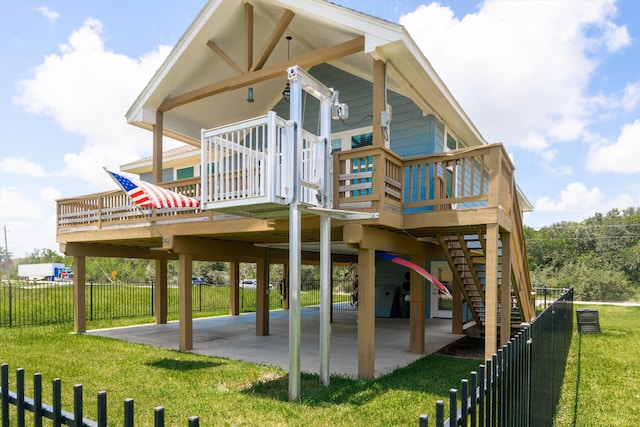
[[233, 337]]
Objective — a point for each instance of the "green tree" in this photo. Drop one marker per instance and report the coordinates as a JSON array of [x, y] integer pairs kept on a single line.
[[45, 255], [592, 282], [599, 256]]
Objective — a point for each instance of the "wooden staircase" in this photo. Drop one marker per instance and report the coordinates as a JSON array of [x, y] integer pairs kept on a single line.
[[466, 254]]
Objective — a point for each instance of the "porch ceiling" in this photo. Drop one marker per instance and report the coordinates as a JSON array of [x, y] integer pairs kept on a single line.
[[315, 25]]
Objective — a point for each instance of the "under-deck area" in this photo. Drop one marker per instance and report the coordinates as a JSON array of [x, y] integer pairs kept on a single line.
[[233, 337]]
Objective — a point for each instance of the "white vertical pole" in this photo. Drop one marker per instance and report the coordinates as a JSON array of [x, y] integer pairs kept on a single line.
[[325, 246], [294, 239]]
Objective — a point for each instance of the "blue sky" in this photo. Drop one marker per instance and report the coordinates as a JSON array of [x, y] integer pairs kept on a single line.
[[558, 82]]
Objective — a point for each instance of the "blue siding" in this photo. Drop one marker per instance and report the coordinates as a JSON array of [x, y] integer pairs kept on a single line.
[[412, 133], [388, 273]]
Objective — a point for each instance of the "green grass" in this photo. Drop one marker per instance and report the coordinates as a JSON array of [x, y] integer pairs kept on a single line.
[[601, 387], [602, 378], [220, 391]]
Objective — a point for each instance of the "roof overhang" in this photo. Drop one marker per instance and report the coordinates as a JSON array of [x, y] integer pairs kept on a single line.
[[316, 26]]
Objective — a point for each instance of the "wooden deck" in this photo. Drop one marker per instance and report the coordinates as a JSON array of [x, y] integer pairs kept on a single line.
[[464, 201]]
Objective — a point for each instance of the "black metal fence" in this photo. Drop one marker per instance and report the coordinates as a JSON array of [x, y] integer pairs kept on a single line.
[[40, 303], [520, 385], [544, 296], [54, 412]]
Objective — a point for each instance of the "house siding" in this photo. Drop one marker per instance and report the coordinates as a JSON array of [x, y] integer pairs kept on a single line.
[[412, 133]]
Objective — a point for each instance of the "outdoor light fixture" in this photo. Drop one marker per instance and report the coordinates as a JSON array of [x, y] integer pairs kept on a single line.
[[250, 95], [286, 93]]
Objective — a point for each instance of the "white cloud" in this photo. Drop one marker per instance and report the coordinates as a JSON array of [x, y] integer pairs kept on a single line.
[[616, 37], [30, 221], [576, 202], [86, 89], [49, 194], [18, 206], [21, 166], [52, 15], [623, 156], [548, 161], [631, 96], [521, 69], [575, 198]]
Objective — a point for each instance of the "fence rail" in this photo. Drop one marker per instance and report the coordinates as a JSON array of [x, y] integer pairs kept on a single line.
[[520, 385], [54, 412], [41, 303]]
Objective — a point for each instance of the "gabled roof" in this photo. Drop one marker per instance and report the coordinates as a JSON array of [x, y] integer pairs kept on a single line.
[[211, 56]]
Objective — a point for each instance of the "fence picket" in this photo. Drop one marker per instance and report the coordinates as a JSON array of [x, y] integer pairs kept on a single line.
[[439, 413], [453, 407], [77, 404], [504, 389], [20, 396], [37, 400], [158, 419], [481, 395], [4, 380], [464, 403], [102, 409], [473, 396], [128, 413]]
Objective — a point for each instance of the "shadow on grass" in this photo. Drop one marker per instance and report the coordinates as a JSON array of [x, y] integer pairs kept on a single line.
[[182, 365], [433, 375], [577, 395]]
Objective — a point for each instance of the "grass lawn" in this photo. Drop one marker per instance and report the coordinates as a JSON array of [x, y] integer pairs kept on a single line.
[[602, 379], [220, 391], [601, 387]]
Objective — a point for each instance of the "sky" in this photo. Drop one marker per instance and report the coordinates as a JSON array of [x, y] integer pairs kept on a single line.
[[557, 82]]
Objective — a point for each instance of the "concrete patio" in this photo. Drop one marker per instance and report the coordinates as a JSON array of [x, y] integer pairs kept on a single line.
[[233, 337]]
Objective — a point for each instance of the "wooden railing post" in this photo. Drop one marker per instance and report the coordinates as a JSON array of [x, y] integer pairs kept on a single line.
[[495, 171]]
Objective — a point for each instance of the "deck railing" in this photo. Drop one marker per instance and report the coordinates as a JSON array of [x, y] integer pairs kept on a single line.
[[376, 179], [371, 179], [115, 209]]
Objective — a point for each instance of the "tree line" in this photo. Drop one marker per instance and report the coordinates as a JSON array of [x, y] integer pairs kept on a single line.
[[599, 257]]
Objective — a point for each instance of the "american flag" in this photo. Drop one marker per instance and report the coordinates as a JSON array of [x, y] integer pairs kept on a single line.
[[146, 195]]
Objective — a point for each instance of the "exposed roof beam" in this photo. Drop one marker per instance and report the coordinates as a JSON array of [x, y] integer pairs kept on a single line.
[[276, 35], [226, 58], [113, 251], [248, 36], [306, 60]]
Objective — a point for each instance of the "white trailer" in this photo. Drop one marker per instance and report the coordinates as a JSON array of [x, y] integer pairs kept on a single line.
[[45, 271]]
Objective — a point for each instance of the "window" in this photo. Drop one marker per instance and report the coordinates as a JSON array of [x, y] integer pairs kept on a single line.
[[184, 173], [352, 138]]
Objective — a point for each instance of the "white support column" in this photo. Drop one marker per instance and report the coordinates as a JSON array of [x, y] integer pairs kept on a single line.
[[294, 129], [325, 247], [300, 80]]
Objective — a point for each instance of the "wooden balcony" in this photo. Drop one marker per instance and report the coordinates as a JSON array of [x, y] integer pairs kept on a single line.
[[457, 189]]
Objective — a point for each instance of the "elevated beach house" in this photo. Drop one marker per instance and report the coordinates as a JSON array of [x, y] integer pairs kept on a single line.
[[313, 131]]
